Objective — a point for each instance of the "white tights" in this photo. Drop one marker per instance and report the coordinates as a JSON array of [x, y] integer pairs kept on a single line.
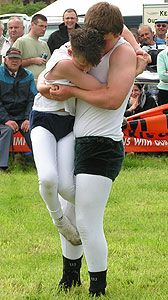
[[55, 167], [92, 192], [55, 163]]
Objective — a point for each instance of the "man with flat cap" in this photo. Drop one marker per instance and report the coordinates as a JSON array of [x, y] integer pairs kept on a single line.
[[17, 91]]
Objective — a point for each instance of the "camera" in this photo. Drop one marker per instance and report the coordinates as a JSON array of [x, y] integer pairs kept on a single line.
[[44, 55]]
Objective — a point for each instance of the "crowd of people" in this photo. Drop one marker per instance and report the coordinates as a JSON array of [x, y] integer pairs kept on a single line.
[[68, 97], [155, 44]]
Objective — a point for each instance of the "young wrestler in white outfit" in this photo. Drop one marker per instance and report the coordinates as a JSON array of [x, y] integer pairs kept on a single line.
[[51, 124]]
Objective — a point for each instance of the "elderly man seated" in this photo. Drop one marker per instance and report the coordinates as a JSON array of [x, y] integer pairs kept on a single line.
[[17, 91]]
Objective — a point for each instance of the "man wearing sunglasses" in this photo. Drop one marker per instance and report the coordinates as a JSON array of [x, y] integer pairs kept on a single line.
[[161, 26]]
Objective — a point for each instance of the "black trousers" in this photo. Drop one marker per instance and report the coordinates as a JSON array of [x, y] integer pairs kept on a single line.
[[162, 97]]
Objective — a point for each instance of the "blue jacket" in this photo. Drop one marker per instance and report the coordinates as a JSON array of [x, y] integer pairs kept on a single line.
[[16, 94]]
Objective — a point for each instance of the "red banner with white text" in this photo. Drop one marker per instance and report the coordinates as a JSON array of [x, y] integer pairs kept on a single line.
[[147, 131], [19, 143], [144, 132]]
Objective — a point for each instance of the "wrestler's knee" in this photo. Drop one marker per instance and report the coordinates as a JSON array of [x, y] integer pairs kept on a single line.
[[48, 180]]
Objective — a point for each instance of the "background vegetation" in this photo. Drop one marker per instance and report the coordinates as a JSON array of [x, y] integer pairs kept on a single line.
[[29, 9], [135, 226]]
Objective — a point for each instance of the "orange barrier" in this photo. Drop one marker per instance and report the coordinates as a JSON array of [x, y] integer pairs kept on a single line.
[[147, 131], [144, 132]]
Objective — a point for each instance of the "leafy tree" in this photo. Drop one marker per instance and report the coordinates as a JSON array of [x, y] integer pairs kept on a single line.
[[16, 7]]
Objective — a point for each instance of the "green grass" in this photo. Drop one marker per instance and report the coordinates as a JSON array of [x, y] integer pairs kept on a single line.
[[136, 228]]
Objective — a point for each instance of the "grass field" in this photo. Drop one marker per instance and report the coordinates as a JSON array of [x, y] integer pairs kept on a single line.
[[136, 228]]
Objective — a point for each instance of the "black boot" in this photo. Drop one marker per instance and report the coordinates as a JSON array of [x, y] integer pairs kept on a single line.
[[71, 273], [97, 283]]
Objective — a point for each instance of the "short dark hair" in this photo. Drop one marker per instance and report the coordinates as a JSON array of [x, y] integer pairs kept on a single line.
[[139, 85], [36, 17], [70, 10], [89, 43]]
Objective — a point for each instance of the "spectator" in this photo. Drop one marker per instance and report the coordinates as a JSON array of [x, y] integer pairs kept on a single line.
[[15, 30], [161, 26], [146, 36], [162, 69], [2, 38], [139, 101], [61, 36], [135, 34], [17, 91], [148, 44], [32, 48]]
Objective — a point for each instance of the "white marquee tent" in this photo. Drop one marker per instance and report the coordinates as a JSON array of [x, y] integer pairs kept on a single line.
[[127, 7]]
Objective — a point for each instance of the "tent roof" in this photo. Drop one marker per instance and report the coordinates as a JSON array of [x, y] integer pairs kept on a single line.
[[128, 8]]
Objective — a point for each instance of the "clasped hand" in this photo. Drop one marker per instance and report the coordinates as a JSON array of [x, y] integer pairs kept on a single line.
[[15, 127], [143, 58], [60, 92]]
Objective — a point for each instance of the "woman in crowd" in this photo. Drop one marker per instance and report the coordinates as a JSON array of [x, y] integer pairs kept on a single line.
[[139, 101]]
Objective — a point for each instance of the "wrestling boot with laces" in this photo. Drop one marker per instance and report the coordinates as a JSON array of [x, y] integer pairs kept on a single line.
[[97, 283], [71, 273], [68, 230]]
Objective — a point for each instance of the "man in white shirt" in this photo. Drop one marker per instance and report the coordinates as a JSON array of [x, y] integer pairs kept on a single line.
[[148, 43], [146, 35], [15, 30]]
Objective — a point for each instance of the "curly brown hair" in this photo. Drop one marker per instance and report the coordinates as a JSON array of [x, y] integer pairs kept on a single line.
[[89, 43]]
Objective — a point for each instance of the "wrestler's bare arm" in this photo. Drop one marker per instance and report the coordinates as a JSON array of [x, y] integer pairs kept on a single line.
[[120, 79], [65, 69], [43, 88]]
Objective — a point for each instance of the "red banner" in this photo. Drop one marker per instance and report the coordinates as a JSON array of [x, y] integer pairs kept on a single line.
[[147, 131], [144, 132], [19, 143]]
